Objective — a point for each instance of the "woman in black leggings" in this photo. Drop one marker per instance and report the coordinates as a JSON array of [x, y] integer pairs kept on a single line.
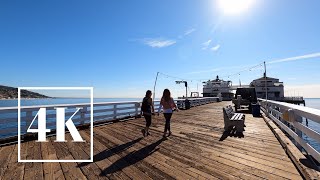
[[168, 104], [147, 109]]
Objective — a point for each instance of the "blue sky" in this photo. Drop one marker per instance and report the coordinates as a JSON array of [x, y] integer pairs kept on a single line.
[[118, 46]]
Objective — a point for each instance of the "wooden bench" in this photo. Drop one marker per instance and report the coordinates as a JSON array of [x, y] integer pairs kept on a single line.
[[232, 119]]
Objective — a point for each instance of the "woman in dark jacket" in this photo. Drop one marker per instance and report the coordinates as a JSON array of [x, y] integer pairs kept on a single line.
[[147, 109]]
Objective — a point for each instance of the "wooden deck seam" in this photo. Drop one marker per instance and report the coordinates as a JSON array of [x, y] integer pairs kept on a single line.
[[220, 162], [141, 147], [231, 160]]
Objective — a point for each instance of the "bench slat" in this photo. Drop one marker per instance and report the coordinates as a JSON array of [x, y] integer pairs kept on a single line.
[[239, 116], [235, 116]]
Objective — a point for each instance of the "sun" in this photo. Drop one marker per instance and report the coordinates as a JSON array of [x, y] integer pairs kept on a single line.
[[233, 7]]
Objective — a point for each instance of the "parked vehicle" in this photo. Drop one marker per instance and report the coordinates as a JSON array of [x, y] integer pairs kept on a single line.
[[244, 97]]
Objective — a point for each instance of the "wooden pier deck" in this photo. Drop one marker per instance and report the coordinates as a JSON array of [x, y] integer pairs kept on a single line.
[[193, 151]]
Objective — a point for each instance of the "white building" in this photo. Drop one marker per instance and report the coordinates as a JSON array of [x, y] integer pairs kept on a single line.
[[274, 88]]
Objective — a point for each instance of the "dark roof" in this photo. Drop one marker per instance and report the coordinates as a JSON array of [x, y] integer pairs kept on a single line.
[[268, 78]]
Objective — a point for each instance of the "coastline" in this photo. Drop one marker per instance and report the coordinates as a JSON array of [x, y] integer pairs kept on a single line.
[[25, 98]]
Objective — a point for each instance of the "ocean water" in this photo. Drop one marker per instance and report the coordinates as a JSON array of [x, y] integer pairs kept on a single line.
[[312, 103]]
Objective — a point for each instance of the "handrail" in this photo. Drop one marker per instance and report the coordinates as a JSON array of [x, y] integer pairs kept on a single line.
[[103, 111], [284, 113]]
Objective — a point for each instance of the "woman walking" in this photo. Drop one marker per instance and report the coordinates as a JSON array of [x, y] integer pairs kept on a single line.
[[148, 109], [168, 104]]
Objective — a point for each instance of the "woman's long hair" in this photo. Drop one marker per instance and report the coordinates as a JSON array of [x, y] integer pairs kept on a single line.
[[166, 95], [148, 93]]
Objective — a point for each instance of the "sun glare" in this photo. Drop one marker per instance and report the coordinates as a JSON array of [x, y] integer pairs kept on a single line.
[[231, 7]]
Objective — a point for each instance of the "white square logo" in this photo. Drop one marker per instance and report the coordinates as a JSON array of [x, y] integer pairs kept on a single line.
[[39, 115]]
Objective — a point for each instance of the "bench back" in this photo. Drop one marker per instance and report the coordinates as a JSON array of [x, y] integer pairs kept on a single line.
[[227, 112]]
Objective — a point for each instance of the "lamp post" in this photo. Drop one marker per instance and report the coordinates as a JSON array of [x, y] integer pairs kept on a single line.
[[265, 79], [185, 84]]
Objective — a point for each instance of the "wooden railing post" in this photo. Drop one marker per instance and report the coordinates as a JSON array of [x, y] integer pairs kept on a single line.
[[137, 106], [28, 121], [297, 131], [115, 111], [83, 114]]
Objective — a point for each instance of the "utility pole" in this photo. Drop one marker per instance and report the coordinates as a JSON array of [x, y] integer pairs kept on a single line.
[[154, 88]]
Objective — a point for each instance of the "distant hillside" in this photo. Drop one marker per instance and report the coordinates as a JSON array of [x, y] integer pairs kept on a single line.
[[7, 92]]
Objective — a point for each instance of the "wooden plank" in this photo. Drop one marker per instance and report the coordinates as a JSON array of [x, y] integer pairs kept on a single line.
[[15, 170], [120, 162], [33, 170], [69, 169], [101, 158], [241, 115], [50, 170], [149, 169], [81, 150], [6, 154]]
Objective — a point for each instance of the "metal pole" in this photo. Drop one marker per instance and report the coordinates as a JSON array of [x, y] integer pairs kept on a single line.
[[186, 89], [265, 78], [154, 88]]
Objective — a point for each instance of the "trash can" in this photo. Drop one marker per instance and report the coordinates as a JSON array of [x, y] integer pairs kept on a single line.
[[187, 104], [255, 109]]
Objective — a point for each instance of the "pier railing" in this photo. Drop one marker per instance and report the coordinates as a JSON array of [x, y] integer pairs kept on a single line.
[[103, 112], [290, 117]]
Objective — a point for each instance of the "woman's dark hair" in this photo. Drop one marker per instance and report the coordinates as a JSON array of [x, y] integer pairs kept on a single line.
[[148, 93], [166, 95]]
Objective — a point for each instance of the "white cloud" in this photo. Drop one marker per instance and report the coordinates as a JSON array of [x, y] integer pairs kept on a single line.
[[158, 42], [189, 31], [186, 33], [306, 56], [215, 48], [206, 44]]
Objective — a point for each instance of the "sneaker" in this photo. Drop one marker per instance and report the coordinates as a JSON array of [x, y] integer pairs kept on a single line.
[[143, 132], [169, 133], [148, 134]]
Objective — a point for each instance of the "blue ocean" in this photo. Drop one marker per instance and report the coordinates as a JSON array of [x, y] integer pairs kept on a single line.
[[313, 103]]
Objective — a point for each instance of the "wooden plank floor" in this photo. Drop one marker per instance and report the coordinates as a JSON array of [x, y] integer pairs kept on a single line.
[[192, 152]]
